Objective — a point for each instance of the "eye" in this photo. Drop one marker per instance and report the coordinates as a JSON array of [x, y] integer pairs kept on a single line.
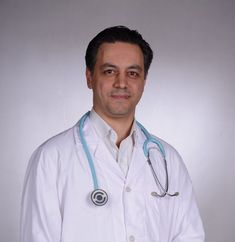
[[109, 72], [133, 74]]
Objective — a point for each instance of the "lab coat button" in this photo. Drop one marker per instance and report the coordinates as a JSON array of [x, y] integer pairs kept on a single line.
[[132, 238], [128, 189]]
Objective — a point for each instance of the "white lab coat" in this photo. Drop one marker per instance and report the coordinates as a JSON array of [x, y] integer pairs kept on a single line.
[[56, 205]]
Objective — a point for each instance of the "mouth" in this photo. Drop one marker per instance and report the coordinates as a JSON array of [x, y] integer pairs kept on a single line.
[[120, 96]]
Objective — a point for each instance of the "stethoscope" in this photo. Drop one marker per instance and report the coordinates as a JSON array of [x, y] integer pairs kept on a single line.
[[99, 197]]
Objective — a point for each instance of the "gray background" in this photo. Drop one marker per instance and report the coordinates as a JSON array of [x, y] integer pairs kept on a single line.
[[188, 101]]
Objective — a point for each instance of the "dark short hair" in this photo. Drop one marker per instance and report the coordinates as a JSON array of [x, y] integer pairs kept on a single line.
[[118, 34]]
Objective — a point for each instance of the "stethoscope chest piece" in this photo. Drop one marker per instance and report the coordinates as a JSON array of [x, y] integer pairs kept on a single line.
[[99, 197]]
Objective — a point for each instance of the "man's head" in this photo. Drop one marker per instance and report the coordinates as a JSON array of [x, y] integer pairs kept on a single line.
[[117, 61], [118, 34]]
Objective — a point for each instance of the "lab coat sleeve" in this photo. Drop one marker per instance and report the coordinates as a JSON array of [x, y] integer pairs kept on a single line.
[[40, 211], [189, 225]]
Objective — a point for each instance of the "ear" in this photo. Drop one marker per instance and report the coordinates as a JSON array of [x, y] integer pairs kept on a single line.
[[89, 78]]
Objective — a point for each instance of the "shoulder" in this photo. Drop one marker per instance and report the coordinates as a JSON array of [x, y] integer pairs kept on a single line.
[[60, 141], [170, 151], [142, 136], [55, 149]]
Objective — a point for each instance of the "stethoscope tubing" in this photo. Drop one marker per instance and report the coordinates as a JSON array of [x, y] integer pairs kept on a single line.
[[149, 139], [86, 150]]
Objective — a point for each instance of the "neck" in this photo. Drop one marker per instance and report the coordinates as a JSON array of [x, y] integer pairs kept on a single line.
[[121, 125]]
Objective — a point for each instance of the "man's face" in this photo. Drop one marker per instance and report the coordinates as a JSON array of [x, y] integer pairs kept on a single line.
[[117, 80]]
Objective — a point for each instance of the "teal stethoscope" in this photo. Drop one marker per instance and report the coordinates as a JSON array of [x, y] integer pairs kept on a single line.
[[99, 197]]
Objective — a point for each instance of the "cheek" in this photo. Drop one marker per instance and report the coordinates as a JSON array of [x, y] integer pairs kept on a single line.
[[102, 89], [138, 89]]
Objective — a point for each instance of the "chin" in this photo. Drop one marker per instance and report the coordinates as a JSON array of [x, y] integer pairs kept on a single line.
[[120, 112]]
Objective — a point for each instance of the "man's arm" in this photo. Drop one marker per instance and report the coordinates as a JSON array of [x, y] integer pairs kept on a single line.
[[189, 225], [40, 212]]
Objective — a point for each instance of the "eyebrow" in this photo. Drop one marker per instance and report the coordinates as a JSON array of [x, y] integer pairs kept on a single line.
[[107, 65], [137, 67]]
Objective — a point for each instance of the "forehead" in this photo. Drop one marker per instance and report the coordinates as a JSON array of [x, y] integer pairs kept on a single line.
[[120, 52]]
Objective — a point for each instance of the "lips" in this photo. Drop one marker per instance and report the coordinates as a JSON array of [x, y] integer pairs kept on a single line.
[[118, 95]]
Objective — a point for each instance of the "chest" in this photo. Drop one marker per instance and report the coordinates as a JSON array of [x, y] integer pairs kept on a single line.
[[131, 210]]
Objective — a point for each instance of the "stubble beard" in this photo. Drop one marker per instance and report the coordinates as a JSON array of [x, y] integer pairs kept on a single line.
[[120, 110]]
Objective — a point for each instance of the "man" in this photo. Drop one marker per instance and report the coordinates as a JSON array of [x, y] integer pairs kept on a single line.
[[93, 182]]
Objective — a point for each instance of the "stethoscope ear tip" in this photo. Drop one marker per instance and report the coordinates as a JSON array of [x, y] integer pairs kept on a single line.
[[174, 194]]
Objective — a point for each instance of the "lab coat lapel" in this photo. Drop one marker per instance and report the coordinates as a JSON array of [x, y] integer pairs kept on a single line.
[[138, 163], [102, 158], [106, 162]]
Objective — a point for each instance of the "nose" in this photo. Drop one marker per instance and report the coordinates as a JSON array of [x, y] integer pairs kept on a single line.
[[120, 81]]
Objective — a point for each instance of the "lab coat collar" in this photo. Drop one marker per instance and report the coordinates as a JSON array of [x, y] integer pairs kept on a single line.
[[105, 131], [88, 132], [91, 136]]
